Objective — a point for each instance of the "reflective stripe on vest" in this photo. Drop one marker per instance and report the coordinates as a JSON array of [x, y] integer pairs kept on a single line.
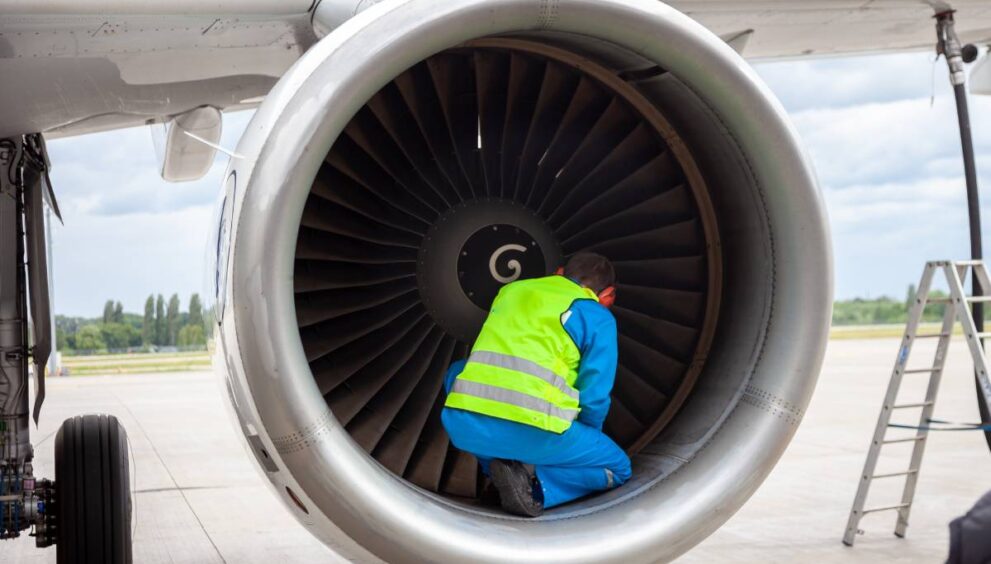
[[502, 395], [524, 364]]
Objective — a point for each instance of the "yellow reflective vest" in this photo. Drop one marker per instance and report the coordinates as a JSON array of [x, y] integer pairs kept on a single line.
[[524, 364]]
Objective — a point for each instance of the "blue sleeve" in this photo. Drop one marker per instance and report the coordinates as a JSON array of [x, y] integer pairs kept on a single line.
[[593, 329], [456, 368]]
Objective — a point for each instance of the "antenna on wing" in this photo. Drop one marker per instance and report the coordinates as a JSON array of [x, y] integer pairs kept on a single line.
[[212, 145]]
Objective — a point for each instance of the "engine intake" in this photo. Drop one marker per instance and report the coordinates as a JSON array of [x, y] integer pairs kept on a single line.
[[422, 155], [478, 166]]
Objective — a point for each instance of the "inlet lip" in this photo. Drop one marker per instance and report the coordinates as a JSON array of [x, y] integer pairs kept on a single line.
[[357, 498]]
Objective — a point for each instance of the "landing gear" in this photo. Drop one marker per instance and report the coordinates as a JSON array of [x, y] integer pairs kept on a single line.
[[93, 514], [86, 512]]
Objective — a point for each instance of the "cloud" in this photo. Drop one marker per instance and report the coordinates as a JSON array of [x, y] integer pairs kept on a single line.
[[853, 81], [864, 206], [127, 232], [128, 257], [116, 173], [883, 233], [881, 142], [889, 165]]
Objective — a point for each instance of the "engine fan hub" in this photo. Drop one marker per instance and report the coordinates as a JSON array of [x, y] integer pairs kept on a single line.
[[473, 250]]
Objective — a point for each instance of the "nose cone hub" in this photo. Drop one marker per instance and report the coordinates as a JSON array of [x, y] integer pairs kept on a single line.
[[475, 249], [496, 255]]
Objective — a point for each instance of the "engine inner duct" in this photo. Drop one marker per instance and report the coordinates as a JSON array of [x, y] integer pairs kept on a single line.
[[480, 165]]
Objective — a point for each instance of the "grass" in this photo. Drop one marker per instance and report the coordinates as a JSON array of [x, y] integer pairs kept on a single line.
[[117, 356], [894, 330], [136, 363]]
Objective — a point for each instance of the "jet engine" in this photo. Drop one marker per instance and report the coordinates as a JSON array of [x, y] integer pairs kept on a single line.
[[421, 155]]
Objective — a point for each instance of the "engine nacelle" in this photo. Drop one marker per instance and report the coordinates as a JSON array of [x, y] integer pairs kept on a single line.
[[424, 153]]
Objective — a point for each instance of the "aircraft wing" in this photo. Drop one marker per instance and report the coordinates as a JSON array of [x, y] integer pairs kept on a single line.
[[796, 28], [73, 67], [76, 66]]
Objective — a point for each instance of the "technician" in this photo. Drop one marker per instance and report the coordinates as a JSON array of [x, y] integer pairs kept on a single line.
[[530, 400]]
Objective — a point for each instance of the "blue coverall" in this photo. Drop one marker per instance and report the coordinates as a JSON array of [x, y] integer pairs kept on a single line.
[[570, 465]]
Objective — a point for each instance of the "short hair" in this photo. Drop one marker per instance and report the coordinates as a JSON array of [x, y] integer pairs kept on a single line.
[[592, 270]]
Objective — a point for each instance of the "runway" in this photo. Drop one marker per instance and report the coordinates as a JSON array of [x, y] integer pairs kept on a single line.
[[199, 498]]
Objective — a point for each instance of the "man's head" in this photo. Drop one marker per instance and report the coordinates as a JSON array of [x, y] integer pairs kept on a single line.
[[591, 270]]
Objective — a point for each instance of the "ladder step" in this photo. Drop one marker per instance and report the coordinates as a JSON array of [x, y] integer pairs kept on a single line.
[[911, 405], [893, 474], [908, 440], [968, 262], [983, 335], [886, 508], [919, 370], [979, 298], [932, 335], [939, 301]]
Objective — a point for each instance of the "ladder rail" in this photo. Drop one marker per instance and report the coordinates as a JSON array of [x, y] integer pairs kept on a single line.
[[918, 449], [904, 351], [980, 271], [974, 342]]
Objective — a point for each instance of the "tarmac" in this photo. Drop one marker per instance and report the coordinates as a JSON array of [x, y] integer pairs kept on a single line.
[[199, 499]]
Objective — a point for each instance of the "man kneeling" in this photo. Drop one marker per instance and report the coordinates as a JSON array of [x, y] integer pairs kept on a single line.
[[530, 400]]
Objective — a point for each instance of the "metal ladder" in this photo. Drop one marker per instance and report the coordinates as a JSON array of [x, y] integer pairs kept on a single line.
[[957, 309]]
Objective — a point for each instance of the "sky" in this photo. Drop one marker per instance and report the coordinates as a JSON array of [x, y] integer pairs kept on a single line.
[[888, 161]]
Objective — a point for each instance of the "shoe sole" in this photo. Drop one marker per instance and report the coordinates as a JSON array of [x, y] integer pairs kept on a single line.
[[510, 483]]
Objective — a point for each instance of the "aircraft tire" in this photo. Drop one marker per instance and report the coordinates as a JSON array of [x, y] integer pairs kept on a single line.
[[92, 477]]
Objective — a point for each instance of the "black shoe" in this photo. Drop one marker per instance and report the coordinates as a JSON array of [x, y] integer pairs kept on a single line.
[[519, 489], [490, 494]]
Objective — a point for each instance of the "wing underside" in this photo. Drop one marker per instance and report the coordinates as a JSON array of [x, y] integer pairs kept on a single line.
[[69, 69], [87, 65], [798, 28]]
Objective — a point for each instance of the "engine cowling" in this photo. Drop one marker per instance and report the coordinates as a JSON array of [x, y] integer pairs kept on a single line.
[[421, 155]]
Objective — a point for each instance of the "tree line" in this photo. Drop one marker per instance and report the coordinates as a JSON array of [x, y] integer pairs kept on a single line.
[[884, 310], [163, 324]]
